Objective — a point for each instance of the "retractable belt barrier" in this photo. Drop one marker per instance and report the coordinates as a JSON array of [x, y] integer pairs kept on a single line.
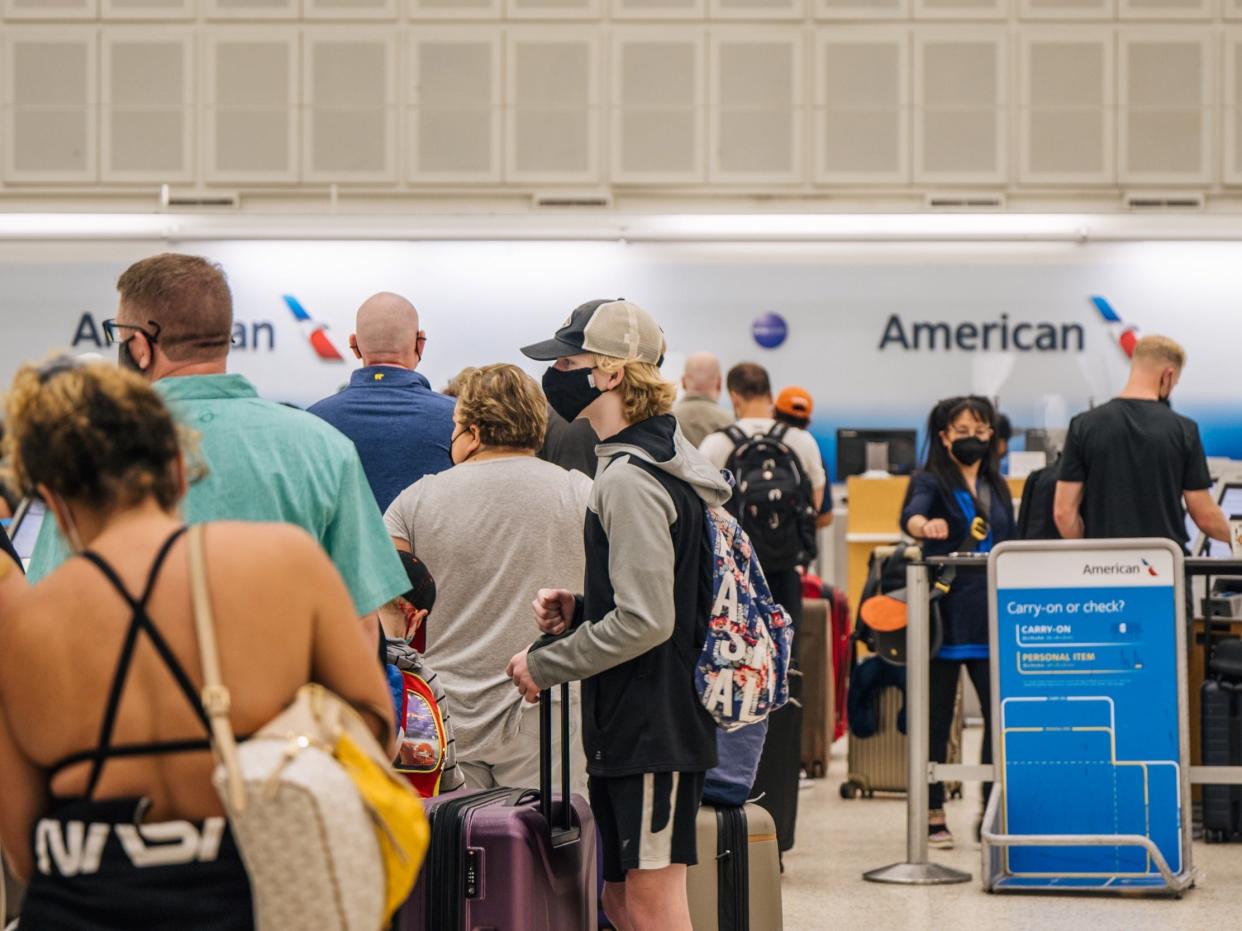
[[916, 870], [1089, 703], [1206, 568]]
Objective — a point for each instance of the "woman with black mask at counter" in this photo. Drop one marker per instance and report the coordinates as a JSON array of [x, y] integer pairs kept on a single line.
[[959, 483]]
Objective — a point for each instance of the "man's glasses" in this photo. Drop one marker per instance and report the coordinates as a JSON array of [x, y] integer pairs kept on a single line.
[[112, 330]]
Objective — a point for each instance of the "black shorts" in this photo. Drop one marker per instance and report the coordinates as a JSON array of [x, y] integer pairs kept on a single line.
[[646, 822]]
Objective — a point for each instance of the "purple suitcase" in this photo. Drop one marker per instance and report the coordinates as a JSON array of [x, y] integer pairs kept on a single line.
[[509, 859]]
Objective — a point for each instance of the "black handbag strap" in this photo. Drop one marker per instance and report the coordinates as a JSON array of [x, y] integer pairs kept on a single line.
[[977, 531]]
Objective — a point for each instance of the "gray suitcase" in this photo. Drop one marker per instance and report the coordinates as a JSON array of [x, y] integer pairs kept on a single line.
[[878, 764], [736, 885]]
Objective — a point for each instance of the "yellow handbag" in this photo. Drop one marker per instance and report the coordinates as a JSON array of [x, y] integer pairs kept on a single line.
[[402, 827]]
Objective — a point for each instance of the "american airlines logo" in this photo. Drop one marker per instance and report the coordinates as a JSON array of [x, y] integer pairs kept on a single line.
[[1127, 336], [1121, 568], [316, 333], [1005, 334]]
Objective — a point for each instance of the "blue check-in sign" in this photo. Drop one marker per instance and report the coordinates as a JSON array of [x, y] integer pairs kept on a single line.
[[1090, 733]]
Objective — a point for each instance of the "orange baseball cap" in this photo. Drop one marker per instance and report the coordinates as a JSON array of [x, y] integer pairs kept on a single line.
[[795, 401]]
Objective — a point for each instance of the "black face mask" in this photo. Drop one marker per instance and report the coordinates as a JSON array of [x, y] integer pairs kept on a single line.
[[453, 443], [569, 393], [125, 359], [969, 450]]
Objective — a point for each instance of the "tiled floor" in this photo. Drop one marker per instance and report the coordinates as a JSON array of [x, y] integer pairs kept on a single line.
[[839, 840]]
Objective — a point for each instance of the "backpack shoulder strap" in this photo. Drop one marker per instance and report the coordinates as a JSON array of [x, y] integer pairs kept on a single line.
[[736, 434], [778, 431]]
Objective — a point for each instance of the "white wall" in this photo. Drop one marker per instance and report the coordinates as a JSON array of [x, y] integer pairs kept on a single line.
[[887, 100]]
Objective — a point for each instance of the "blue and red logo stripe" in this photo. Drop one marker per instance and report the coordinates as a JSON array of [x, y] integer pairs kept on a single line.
[[1128, 336], [316, 334]]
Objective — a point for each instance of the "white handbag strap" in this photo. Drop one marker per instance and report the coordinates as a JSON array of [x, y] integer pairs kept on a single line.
[[215, 695]]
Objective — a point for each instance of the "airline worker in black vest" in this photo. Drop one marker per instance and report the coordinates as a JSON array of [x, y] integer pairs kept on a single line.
[[958, 502]]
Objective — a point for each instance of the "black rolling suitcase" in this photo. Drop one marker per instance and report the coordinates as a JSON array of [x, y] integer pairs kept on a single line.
[[1221, 736], [776, 782]]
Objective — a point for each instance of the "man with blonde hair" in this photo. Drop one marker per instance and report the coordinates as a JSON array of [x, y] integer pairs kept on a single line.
[[638, 626], [1129, 464]]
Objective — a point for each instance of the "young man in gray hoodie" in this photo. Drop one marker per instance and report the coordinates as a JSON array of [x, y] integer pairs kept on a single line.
[[637, 629]]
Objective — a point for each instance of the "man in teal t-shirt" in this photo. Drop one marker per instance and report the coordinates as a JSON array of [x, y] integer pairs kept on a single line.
[[264, 461]]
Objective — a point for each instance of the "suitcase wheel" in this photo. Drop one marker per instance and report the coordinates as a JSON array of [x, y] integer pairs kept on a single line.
[[956, 793], [850, 790], [816, 770]]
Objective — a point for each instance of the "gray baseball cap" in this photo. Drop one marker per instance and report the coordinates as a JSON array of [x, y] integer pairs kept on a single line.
[[611, 327]]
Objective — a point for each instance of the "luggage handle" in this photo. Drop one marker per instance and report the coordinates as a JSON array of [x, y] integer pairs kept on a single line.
[[566, 832]]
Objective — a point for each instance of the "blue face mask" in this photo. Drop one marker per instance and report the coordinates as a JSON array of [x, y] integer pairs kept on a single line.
[[570, 393]]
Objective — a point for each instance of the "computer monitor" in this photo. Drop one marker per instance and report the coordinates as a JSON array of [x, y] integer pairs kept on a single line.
[[24, 530], [1050, 441], [1230, 499], [852, 450]]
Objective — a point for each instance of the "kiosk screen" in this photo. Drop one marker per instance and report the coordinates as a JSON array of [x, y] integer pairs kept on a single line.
[[1230, 499]]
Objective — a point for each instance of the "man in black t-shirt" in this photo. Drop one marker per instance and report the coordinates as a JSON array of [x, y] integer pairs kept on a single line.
[[1129, 464]]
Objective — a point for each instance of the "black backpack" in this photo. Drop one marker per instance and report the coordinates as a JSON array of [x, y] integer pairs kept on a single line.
[[1035, 517], [773, 500]]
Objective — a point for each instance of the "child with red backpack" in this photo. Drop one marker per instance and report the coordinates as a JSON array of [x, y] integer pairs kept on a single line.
[[425, 750]]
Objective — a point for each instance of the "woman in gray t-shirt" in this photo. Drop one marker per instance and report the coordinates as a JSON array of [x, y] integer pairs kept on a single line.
[[494, 529]]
